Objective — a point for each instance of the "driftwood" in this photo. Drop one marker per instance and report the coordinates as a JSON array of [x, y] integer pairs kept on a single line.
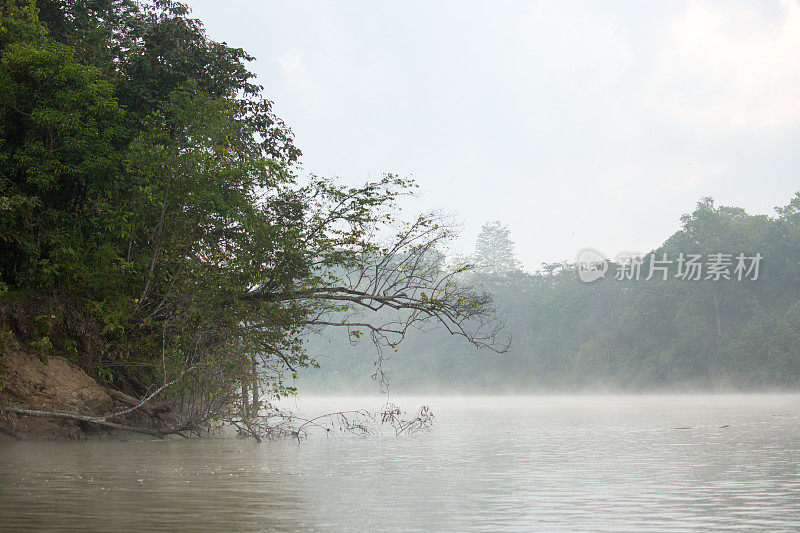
[[101, 421]]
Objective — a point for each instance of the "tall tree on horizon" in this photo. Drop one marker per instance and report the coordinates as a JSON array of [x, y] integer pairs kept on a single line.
[[494, 250]]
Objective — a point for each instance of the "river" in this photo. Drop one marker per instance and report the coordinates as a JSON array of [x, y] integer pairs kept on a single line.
[[526, 463]]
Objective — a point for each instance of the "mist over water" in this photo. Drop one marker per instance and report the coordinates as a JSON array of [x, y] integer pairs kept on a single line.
[[515, 463]]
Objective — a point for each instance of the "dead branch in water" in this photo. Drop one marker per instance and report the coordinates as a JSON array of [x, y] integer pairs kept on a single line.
[[276, 424]]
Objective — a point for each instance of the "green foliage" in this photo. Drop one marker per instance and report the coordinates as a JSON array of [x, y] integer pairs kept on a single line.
[[652, 335], [71, 349], [151, 217], [103, 373]]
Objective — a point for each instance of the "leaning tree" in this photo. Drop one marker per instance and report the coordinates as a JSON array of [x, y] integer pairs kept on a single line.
[[154, 221]]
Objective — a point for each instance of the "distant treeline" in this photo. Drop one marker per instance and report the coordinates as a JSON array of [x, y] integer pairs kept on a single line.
[[623, 335]]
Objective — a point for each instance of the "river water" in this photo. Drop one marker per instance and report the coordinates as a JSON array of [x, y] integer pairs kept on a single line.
[[611, 463]]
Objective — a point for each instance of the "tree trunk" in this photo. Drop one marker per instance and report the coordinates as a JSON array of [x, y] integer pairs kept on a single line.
[[255, 388], [245, 409]]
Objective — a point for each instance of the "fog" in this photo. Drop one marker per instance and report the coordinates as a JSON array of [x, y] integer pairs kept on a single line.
[[571, 125], [511, 464]]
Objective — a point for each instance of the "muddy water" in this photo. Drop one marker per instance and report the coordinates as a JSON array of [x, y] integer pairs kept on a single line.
[[515, 463]]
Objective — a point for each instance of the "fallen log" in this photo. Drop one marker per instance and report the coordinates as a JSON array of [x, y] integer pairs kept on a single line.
[[84, 418]]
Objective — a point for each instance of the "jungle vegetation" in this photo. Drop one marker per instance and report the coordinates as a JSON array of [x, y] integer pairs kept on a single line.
[[609, 335], [155, 227]]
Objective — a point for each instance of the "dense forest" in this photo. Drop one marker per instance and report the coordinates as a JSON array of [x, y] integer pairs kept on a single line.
[[615, 335], [157, 232]]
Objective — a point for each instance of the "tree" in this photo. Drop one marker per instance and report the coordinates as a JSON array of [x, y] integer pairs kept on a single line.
[[494, 250], [647, 335], [152, 216]]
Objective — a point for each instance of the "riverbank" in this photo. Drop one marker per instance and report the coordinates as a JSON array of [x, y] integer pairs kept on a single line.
[[54, 384]]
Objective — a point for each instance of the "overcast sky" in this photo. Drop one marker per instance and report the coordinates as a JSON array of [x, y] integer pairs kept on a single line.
[[576, 123]]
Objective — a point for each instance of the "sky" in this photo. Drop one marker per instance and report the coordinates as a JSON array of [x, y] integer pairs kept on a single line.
[[577, 124]]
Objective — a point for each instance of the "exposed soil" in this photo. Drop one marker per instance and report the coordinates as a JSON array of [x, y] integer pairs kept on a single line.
[[54, 384]]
